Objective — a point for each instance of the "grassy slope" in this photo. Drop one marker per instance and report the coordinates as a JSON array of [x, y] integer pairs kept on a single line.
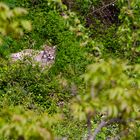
[[70, 64]]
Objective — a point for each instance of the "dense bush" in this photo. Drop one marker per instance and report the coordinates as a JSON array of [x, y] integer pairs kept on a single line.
[[20, 81], [16, 123], [51, 26]]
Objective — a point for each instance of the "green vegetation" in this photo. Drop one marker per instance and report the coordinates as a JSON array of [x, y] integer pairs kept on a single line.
[[91, 91]]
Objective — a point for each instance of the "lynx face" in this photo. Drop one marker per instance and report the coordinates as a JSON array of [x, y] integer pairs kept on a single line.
[[49, 53]]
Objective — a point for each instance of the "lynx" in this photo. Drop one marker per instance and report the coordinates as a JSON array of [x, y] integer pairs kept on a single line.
[[44, 57]]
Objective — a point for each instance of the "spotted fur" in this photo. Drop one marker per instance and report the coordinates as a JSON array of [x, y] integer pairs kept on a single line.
[[44, 57]]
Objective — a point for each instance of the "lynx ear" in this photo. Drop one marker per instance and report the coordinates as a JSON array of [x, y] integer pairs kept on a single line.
[[54, 47], [44, 46]]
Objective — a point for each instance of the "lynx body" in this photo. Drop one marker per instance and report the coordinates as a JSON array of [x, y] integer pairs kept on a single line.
[[43, 57]]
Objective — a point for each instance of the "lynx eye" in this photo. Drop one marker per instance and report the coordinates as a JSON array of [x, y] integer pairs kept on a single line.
[[45, 56]]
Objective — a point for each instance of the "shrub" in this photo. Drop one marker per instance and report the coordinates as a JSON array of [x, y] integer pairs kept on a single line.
[[21, 80], [111, 92], [16, 123]]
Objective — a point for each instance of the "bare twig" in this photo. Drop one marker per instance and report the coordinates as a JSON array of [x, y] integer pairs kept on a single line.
[[103, 7], [98, 129], [129, 4], [104, 123], [89, 126], [92, 91]]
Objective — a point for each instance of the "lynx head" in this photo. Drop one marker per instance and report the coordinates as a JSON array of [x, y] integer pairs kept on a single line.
[[49, 53]]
